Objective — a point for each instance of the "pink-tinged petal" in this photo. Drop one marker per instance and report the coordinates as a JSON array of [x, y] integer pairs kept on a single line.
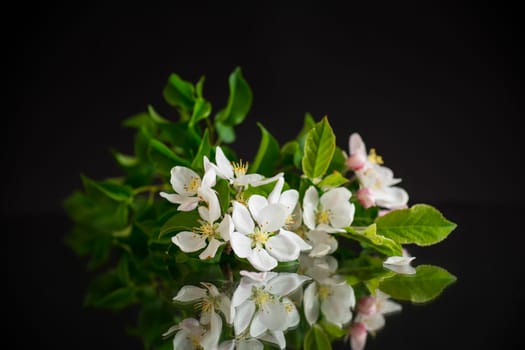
[[241, 244], [189, 242], [297, 241], [257, 327], [256, 203], [374, 322], [182, 178], [274, 316], [356, 144], [282, 248], [289, 200], [211, 249], [342, 215], [358, 335], [366, 198], [190, 293], [225, 228], [243, 316], [285, 283], [242, 219], [311, 303], [272, 218], [224, 166], [274, 196], [367, 306], [333, 198], [261, 260], [356, 162]]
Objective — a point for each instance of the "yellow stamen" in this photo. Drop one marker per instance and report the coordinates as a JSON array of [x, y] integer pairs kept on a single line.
[[323, 217], [240, 168], [206, 229], [324, 292], [261, 297], [374, 157], [288, 307], [260, 236], [193, 185]]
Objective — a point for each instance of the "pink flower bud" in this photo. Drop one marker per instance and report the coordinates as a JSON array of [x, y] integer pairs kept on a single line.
[[356, 161], [365, 198], [358, 336], [367, 306]]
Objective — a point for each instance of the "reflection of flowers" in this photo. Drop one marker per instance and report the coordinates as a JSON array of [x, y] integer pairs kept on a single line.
[[190, 334], [261, 307], [207, 300]]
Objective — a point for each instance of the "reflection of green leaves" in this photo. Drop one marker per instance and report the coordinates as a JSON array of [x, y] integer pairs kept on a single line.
[[428, 282], [318, 149], [106, 291], [422, 225], [370, 238], [316, 338]]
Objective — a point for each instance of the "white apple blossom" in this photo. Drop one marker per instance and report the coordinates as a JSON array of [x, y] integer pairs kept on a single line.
[[207, 300], [288, 199], [331, 213], [400, 264], [262, 309], [379, 180], [211, 234], [235, 173], [190, 334], [263, 242], [322, 243], [372, 315], [188, 186]]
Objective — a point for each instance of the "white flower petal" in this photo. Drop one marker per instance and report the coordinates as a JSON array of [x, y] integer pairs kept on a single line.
[[256, 203], [190, 293], [171, 330], [225, 228], [242, 219], [289, 200], [243, 316], [342, 215], [273, 315], [274, 337], [224, 305], [274, 196], [249, 344], [228, 345], [263, 181], [189, 242], [310, 202], [210, 340], [182, 341], [257, 327], [182, 178], [320, 250], [242, 292], [214, 208], [210, 176], [261, 277], [293, 318], [224, 166], [334, 312], [241, 244], [172, 197], [311, 303], [272, 217], [285, 283], [211, 249], [333, 198], [374, 322], [389, 306], [392, 198], [261, 260], [248, 179], [282, 248], [356, 145], [298, 241], [399, 260]]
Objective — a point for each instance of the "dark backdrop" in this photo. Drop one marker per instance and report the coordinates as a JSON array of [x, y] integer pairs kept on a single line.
[[434, 88]]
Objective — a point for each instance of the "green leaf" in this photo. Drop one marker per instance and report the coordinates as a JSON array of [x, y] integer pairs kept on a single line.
[[428, 282], [200, 86], [334, 331], [316, 339], [184, 220], [164, 157], [268, 154], [333, 180], [201, 111], [125, 160], [118, 299], [139, 121], [291, 154], [239, 101], [370, 238], [318, 150], [157, 118], [123, 270], [422, 225], [204, 150], [223, 191], [364, 217], [113, 190], [338, 162], [309, 124], [226, 133], [179, 93]]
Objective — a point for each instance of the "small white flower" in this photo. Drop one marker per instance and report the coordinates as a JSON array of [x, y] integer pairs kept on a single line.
[[235, 173], [379, 180], [261, 307], [400, 264], [376, 320], [190, 334], [188, 185], [323, 243], [288, 199], [210, 234], [331, 213], [263, 242], [207, 300]]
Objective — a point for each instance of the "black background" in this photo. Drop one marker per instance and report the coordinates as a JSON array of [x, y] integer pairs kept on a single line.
[[435, 89]]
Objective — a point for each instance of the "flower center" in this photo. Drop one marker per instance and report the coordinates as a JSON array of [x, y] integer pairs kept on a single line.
[[288, 307], [193, 185], [374, 157], [323, 217], [207, 229], [240, 168], [205, 305], [324, 292], [259, 236], [261, 297], [196, 342]]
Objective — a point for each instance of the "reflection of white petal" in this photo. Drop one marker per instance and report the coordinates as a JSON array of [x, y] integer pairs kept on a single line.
[[210, 340], [282, 248], [189, 242], [243, 316], [211, 249], [258, 276], [285, 283], [181, 340], [190, 293], [274, 316], [272, 217], [261, 260], [311, 303], [257, 327], [298, 241], [275, 337], [256, 203], [228, 345], [242, 219], [241, 244], [181, 178], [249, 344], [224, 305], [242, 292], [400, 264], [225, 168]]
